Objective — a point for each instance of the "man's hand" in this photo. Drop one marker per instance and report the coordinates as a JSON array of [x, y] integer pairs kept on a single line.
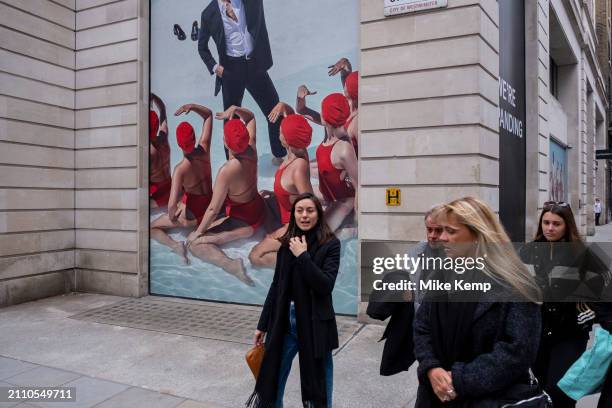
[[343, 64], [183, 109], [303, 92], [442, 384], [219, 71], [258, 339], [298, 245]]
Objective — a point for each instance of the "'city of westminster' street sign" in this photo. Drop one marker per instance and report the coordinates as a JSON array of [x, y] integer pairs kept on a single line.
[[394, 7]]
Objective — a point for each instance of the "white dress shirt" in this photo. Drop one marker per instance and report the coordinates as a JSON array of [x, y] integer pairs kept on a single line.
[[238, 40]]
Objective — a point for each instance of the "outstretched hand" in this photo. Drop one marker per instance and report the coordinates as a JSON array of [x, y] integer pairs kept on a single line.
[[304, 92], [183, 109], [343, 64], [298, 245]]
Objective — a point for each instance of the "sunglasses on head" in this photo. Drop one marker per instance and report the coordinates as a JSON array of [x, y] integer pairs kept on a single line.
[[551, 204]]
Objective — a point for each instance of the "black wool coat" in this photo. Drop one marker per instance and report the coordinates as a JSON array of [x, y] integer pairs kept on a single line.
[[318, 272], [504, 337]]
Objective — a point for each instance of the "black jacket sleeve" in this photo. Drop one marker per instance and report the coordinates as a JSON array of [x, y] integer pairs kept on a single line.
[[203, 38], [264, 318], [321, 280], [423, 343], [511, 356]]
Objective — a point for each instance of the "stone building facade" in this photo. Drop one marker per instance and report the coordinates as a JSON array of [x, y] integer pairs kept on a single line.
[[74, 143]]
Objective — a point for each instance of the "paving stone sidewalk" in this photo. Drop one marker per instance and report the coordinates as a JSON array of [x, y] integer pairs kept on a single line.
[[90, 392]]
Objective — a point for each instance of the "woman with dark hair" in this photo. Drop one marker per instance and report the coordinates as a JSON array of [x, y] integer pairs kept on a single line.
[[298, 316], [561, 263]]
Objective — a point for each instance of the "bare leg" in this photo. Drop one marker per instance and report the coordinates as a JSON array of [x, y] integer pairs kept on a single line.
[[337, 212], [159, 234], [207, 247], [153, 204], [263, 255]]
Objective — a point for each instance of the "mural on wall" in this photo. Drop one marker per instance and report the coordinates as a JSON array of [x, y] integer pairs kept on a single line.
[[557, 172], [236, 133]]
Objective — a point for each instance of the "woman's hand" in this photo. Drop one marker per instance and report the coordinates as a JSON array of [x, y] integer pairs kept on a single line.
[[276, 112], [442, 384], [258, 339], [192, 237], [227, 114], [183, 109], [297, 245], [343, 64], [303, 92]]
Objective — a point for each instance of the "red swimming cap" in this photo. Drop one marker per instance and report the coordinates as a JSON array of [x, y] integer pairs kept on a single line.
[[236, 135], [185, 137], [351, 84], [153, 125], [296, 131], [335, 110]]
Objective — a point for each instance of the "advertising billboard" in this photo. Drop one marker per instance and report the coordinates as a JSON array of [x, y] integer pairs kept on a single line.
[[219, 69]]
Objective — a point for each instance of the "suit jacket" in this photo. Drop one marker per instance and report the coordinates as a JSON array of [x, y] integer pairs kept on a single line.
[[504, 338], [318, 271], [211, 25]]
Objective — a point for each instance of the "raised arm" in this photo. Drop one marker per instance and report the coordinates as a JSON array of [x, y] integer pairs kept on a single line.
[[206, 115], [249, 119], [280, 110], [302, 109], [343, 66]]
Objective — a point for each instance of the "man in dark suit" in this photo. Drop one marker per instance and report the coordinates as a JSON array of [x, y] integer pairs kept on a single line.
[[238, 28]]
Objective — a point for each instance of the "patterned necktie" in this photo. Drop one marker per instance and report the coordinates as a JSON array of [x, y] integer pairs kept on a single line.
[[229, 10]]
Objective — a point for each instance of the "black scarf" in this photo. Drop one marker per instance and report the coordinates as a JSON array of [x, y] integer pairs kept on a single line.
[[312, 368], [451, 324]]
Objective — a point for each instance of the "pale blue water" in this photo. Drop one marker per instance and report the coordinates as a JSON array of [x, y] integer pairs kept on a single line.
[[306, 37]]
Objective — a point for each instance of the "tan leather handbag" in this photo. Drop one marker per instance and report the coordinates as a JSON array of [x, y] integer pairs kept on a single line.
[[254, 357]]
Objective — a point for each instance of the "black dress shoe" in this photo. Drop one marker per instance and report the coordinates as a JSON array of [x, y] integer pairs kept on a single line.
[[178, 31], [194, 31]]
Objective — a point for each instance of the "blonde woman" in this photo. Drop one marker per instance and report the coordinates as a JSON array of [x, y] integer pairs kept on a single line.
[[471, 352]]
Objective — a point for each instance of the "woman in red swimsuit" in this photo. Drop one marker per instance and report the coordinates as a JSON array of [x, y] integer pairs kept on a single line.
[[292, 179], [337, 162], [191, 181], [350, 83], [159, 156], [235, 189]]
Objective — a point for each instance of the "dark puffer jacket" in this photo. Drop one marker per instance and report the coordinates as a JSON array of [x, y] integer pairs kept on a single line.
[[504, 340]]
